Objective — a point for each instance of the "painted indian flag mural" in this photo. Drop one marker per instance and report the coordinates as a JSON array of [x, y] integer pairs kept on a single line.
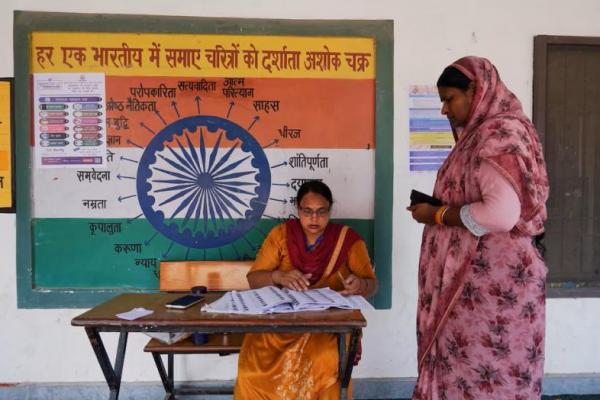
[[190, 146]]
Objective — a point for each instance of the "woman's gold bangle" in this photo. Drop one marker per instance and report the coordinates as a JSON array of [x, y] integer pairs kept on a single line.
[[439, 215]]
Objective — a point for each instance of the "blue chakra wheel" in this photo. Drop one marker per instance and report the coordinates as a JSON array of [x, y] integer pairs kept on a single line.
[[203, 181]]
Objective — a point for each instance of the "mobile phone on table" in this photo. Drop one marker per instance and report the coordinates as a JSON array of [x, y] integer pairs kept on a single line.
[[184, 302], [420, 197]]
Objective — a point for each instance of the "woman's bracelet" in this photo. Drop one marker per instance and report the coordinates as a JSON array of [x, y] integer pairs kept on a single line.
[[439, 215], [443, 214]]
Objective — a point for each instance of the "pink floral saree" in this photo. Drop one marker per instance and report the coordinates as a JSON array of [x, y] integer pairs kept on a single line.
[[481, 306]]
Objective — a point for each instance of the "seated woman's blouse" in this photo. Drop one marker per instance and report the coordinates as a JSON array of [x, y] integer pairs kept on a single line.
[[273, 255], [499, 209]]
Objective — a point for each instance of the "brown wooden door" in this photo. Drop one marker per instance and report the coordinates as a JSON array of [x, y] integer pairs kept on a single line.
[[567, 113]]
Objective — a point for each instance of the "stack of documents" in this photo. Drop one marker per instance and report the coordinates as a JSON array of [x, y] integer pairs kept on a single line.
[[271, 299]]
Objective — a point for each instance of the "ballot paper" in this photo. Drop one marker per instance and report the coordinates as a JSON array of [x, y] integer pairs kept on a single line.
[[271, 299]]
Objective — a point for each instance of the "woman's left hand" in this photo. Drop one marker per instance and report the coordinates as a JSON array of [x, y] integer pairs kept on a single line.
[[353, 285], [423, 213]]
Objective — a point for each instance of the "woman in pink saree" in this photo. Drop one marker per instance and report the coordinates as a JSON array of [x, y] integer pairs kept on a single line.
[[481, 306]]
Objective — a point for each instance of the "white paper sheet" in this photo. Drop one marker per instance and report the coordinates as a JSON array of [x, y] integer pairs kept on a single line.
[[135, 314]]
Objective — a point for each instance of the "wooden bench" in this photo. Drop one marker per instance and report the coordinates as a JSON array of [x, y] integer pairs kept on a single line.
[[181, 276]]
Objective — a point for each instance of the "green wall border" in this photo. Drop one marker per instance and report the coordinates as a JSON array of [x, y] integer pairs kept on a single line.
[[28, 296]]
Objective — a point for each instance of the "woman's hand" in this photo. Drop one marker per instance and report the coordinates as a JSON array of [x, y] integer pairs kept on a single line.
[[423, 213], [293, 279], [354, 285]]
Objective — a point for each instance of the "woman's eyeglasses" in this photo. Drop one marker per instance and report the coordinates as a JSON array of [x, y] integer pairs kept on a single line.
[[309, 212]]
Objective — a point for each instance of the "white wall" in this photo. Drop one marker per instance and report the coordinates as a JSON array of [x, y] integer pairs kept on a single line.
[[41, 346]]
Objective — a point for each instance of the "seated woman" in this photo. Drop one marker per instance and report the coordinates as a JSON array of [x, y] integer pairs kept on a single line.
[[300, 254]]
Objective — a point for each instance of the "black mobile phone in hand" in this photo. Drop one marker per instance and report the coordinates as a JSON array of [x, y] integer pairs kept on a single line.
[[184, 302], [417, 197]]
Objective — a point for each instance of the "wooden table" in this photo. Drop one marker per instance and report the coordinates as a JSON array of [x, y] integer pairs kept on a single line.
[[102, 318]]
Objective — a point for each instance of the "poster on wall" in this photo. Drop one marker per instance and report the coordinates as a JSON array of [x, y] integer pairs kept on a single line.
[[69, 120], [430, 135], [202, 142], [6, 147]]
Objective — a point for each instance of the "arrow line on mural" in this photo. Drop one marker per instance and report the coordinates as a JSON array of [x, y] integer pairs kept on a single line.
[[128, 159], [160, 116], [270, 217], [135, 144], [197, 99], [174, 105], [279, 165], [165, 255], [275, 141], [256, 118], [146, 127], [237, 254], [260, 230], [121, 198], [129, 220], [250, 244], [147, 242], [284, 201]]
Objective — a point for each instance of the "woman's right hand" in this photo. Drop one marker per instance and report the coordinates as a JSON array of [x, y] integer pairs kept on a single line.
[[423, 213], [293, 279]]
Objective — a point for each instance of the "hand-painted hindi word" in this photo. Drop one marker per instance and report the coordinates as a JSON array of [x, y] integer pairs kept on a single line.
[[94, 204], [105, 227], [219, 57], [235, 92], [292, 133], [146, 262], [136, 105], [113, 139], [161, 91], [231, 82], [180, 58], [266, 105], [295, 183], [117, 123], [123, 56], [300, 160], [198, 86], [127, 248], [93, 175], [133, 104], [283, 59]]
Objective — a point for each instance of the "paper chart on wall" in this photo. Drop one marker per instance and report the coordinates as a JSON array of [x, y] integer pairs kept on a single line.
[[69, 120], [430, 133]]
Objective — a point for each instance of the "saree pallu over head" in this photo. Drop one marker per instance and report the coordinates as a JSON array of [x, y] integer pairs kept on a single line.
[[497, 131], [315, 262]]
